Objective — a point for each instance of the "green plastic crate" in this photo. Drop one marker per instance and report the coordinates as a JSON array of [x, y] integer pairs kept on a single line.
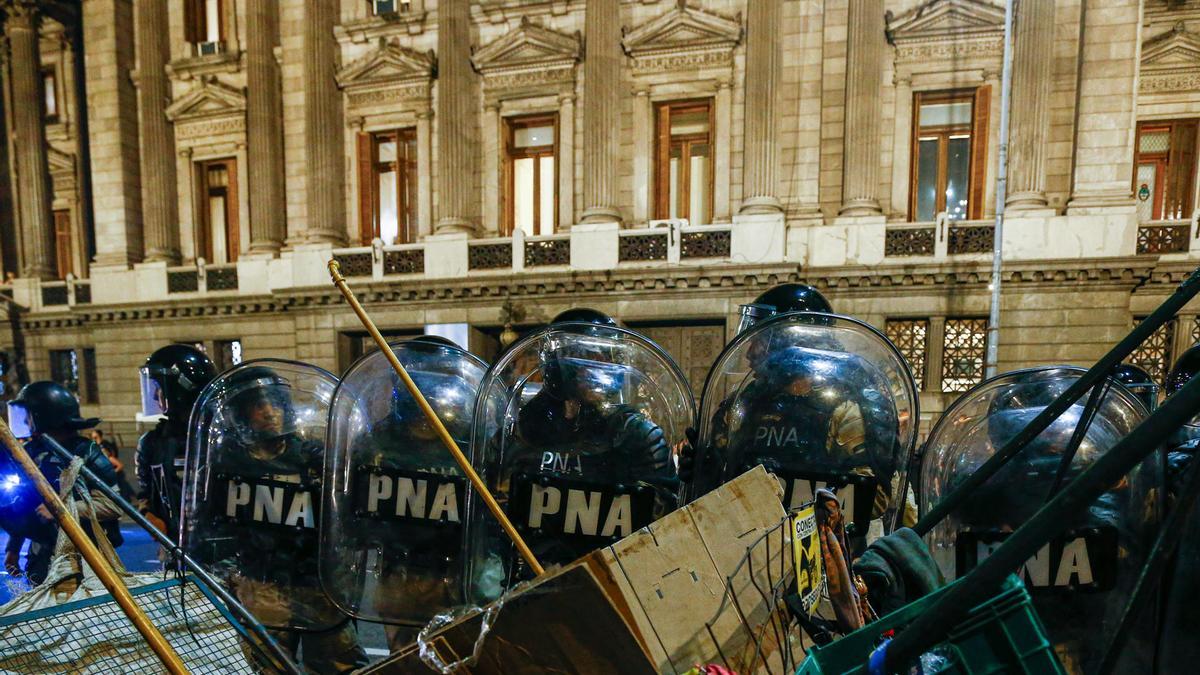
[[1002, 635]]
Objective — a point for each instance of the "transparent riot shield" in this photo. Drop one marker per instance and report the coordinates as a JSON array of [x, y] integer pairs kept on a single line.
[[576, 432], [391, 544], [252, 488], [1081, 580], [821, 401]]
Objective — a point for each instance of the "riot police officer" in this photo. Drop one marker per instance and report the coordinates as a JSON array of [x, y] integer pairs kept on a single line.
[[1138, 382], [40, 410], [251, 502], [576, 446], [171, 379]]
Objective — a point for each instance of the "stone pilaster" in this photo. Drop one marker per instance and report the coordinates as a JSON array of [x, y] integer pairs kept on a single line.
[[113, 132], [601, 110], [492, 153], [722, 128], [425, 171], [1106, 113], [323, 140], [160, 217], [566, 160], [29, 142], [864, 81], [458, 154], [762, 84], [264, 129], [1032, 73]]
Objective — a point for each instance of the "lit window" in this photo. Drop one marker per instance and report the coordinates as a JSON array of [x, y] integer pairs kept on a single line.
[[964, 353], [62, 242], [1155, 354], [218, 232], [50, 94], [206, 25], [683, 170], [64, 368], [229, 354], [946, 169], [388, 186], [1166, 169], [911, 337], [532, 186]]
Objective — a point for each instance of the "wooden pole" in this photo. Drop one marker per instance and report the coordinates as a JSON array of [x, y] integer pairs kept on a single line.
[[447, 440], [92, 555]]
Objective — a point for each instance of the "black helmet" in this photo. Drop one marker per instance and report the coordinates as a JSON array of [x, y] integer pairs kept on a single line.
[[46, 406], [434, 340], [247, 386], [172, 378], [584, 315], [1138, 382], [1185, 367], [783, 299]]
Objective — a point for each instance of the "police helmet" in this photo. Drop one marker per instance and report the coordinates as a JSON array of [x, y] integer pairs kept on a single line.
[[247, 389], [1183, 370], [584, 315], [1138, 382], [783, 299], [451, 397], [172, 378], [46, 406], [433, 341]]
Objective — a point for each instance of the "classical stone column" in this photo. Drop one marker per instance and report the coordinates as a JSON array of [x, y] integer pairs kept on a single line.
[[643, 156], [264, 130], [1030, 104], [492, 152], [160, 217], [458, 153], [566, 160], [762, 84], [29, 142], [601, 110], [864, 80], [722, 121], [323, 126], [424, 171]]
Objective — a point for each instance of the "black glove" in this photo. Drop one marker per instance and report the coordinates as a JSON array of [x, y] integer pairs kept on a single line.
[[687, 455]]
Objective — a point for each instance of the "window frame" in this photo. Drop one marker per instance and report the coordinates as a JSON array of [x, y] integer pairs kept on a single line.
[[1164, 167], [50, 72], [196, 22], [663, 141], [977, 131], [204, 234], [64, 246], [512, 124], [945, 364], [921, 379], [406, 170]]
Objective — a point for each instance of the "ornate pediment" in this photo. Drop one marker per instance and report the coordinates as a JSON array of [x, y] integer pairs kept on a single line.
[[526, 47], [389, 64], [1171, 61], [684, 37], [941, 29], [210, 98]]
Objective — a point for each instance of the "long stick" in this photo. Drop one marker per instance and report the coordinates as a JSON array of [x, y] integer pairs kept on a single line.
[[993, 343], [447, 440], [1052, 519], [91, 554], [284, 661]]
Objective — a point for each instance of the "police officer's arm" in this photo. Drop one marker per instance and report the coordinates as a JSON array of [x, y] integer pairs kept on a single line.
[[846, 432], [98, 462], [643, 442], [141, 466]]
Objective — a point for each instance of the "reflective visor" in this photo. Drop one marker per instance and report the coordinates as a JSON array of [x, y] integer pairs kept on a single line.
[[154, 398], [20, 420], [752, 314]]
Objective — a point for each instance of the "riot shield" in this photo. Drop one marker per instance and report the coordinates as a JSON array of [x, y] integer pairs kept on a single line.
[[252, 488], [576, 430], [1081, 581], [394, 498], [820, 401]]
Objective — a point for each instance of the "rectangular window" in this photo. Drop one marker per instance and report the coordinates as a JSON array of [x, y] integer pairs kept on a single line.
[[379, 7], [531, 188], [64, 368], [388, 186], [229, 354], [50, 95], [964, 352], [683, 172], [62, 242], [206, 25], [911, 337], [1155, 354], [1166, 169], [218, 236], [948, 166]]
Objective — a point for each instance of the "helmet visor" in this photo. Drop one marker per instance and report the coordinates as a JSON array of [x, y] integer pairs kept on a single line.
[[154, 395], [20, 420], [752, 314]]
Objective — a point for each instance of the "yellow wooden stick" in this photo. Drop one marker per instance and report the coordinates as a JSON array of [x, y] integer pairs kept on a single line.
[[447, 440], [92, 555]]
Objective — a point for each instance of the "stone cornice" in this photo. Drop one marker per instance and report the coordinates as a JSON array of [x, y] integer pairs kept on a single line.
[[527, 47], [388, 65], [1170, 61], [683, 38], [209, 99], [1148, 275], [943, 30]]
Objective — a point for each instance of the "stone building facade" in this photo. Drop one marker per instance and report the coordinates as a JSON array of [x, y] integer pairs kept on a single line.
[[475, 165]]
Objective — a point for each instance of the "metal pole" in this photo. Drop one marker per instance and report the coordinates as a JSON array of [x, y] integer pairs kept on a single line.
[[1186, 291], [158, 644], [284, 661], [447, 440], [993, 344], [1052, 519]]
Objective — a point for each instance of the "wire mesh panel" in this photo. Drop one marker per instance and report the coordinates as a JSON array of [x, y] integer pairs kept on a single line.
[[95, 636]]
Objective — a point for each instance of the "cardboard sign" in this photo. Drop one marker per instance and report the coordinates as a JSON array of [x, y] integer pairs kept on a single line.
[[1084, 559], [263, 502], [806, 553], [409, 496], [560, 507]]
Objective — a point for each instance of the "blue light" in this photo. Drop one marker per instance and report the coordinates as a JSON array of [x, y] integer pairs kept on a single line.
[[10, 482]]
